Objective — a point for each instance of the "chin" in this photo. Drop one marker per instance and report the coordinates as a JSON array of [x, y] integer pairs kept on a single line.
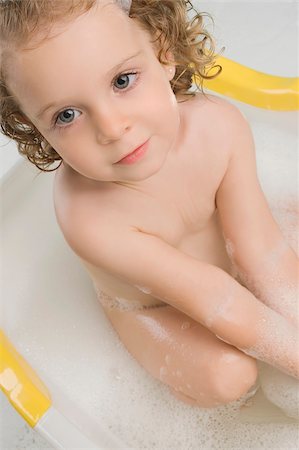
[[141, 176], [150, 169]]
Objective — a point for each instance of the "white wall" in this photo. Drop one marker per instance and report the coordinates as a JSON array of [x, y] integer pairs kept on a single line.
[[8, 154]]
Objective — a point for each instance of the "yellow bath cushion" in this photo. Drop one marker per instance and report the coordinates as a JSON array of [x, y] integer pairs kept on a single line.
[[21, 385], [255, 88]]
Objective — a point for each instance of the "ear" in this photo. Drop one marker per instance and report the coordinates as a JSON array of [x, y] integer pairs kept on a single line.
[[170, 66], [170, 71]]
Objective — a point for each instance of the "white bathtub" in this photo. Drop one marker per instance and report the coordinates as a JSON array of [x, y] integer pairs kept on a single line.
[[50, 312]]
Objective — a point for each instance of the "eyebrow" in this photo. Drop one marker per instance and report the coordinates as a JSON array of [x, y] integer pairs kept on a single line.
[[42, 111]]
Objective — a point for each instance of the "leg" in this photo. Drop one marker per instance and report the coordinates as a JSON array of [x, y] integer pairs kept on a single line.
[[199, 368]]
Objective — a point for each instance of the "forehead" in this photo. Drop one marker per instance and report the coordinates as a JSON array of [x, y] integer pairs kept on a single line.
[[105, 26], [105, 32]]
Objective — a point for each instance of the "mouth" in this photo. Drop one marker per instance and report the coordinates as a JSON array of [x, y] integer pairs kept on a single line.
[[135, 155]]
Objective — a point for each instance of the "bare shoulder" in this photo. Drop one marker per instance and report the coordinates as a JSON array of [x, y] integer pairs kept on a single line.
[[232, 122], [222, 120], [83, 210], [212, 102], [214, 124], [221, 110]]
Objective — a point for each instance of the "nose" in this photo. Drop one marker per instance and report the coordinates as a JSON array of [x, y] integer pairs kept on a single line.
[[110, 123]]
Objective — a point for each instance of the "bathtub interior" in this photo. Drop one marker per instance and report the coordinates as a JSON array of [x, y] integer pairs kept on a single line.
[[50, 312]]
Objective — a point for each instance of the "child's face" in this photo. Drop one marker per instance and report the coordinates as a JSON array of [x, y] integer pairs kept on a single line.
[[102, 115]]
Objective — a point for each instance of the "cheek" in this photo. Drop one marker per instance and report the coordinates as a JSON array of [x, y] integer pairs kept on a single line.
[[80, 159], [66, 142], [169, 115], [162, 108]]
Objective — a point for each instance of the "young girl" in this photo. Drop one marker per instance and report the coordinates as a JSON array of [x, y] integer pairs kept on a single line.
[[156, 189]]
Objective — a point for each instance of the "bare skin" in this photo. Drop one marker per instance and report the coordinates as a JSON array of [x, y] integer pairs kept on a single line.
[[182, 213], [153, 232]]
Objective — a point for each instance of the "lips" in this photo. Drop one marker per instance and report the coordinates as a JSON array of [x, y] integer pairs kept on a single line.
[[135, 155]]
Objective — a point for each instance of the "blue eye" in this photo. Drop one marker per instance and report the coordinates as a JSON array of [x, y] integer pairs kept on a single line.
[[66, 117], [123, 80]]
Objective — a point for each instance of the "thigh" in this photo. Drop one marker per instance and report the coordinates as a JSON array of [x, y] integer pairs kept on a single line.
[[184, 355]]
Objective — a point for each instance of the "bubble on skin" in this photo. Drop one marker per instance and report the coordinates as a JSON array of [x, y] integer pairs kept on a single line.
[[276, 334], [229, 357], [167, 359], [280, 297], [221, 339], [123, 304], [143, 289], [179, 388], [119, 303], [155, 329], [269, 261], [163, 372], [273, 257], [268, 286], [230, 248], [185, 325], [222, 309], [179, 373]]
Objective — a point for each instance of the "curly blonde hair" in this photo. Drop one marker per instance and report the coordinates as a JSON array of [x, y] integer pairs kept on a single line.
[[190, 44]]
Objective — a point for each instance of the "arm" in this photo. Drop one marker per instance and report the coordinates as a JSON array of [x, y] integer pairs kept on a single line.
[[202, 291], [264, 261]]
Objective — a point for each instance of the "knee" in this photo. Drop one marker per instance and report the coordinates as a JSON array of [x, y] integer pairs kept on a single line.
[[236, 373], [229, 376]]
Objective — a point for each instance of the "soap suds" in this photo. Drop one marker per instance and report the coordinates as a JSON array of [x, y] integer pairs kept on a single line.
[[143, 289], [117, 302], [277, 343], [281, 296], [155, 329], [222, 310], [185, 325], [123, 304], [281, 389], [163, 372], [167, 359]]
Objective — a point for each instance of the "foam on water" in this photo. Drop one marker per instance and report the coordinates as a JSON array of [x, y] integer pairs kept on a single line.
[[282, 389], [140, 410]]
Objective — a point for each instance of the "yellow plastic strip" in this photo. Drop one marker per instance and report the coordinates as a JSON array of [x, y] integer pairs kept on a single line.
[[21, 385], [255, 88]]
